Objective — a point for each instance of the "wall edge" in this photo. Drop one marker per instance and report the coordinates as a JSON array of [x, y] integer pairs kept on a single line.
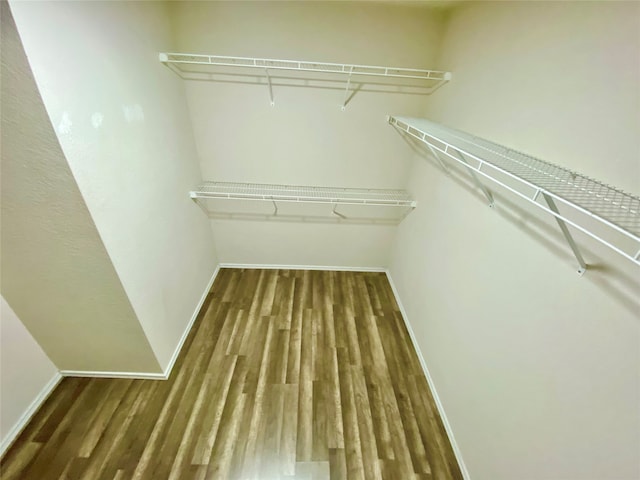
[[28, 414], [164, 375], [427, 374], [187, 330]]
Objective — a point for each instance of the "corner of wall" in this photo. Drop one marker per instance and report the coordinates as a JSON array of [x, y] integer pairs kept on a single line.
[[29, 412]]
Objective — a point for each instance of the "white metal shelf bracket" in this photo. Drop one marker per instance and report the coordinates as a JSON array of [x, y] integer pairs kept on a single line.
[[266, 71], [346, 91], [439, 160], [476, 180], [567, 234], [338, 214]]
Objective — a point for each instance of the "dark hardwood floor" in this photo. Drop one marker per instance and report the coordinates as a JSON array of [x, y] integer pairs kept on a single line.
[[285, 374]]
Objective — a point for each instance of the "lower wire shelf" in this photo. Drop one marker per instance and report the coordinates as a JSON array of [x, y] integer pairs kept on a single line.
[[400, 200]]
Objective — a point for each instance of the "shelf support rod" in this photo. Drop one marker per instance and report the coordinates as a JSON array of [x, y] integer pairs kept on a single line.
[[275, 207], [479, 184], [566, 233], [338, 213], [266, 71], [437, 157], [346, 92], [535, 196]]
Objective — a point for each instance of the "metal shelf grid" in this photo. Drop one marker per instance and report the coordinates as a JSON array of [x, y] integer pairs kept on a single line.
[[610, 206], [304, 194], [303, 66]]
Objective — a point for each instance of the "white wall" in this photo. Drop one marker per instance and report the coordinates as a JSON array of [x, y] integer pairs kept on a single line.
[[54, 268], [122, 122], [538, 369], [25, 372], [305, 139]]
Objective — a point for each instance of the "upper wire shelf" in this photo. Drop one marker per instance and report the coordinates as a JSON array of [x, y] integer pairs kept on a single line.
[[304, 194], [426, 81], [610, 207], [305, 66]]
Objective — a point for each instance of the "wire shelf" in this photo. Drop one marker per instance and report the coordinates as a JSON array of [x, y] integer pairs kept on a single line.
[[303, 66], [304, 194], [610, 206], [389, 79]]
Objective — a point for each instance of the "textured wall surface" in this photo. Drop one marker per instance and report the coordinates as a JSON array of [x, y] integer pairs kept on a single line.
[[55, 271], [122, 122]]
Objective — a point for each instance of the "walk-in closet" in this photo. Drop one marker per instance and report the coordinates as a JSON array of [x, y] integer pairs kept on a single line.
[[320, 240]]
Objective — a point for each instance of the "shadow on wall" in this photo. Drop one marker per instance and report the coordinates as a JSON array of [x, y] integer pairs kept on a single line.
[[619, 283]]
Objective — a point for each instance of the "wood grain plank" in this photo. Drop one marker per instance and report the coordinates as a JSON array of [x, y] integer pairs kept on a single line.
[[112, 398], [365, 425], [219, 461], [304, 445], [252, 449], [114, 434], [289, 436], [352, 439], [211, 421]]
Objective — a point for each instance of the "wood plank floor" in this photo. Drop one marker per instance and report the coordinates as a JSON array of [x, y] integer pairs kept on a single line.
[[286, 374]]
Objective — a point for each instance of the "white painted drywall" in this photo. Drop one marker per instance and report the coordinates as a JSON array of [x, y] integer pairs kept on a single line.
[[305, 139], [55, 270], [538, 369], [122, 122], [25, 371]]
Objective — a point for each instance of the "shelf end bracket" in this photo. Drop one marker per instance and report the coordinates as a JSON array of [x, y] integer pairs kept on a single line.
[[582, 266]]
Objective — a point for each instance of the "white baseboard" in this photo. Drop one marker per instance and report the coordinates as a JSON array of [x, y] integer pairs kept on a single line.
[[185, 334], [107, 374], [146, 375], [29, 412], [302, 267], [436, 398]]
